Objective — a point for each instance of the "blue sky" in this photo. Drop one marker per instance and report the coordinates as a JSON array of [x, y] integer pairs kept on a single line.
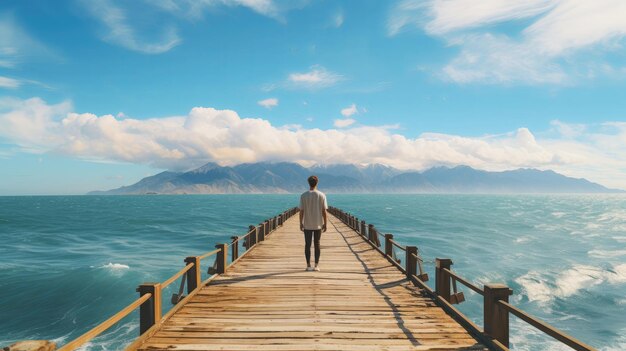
[[97, 94]]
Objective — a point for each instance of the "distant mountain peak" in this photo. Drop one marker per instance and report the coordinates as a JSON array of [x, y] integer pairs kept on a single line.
[[284, 177], [205, 168]]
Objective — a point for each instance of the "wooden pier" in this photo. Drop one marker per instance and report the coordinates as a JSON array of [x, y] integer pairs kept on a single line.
[[364, 298]]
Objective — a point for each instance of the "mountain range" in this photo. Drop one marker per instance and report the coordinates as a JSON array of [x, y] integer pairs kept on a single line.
[[286, 177]]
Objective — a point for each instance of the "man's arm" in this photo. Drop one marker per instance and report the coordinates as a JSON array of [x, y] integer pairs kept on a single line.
[[301, 213], [324, 208]]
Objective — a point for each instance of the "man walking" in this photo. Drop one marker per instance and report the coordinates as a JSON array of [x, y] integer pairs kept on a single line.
[[313, 220]]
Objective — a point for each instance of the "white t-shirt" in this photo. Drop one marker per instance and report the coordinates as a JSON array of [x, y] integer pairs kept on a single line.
[[312, 203]]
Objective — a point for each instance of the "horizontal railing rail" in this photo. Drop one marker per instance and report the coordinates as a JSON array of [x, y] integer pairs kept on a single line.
[[100, 328], [464, 282], [209, 254], [546, 328], [397, 244], [150, 294], [177, 275], [495, 331]]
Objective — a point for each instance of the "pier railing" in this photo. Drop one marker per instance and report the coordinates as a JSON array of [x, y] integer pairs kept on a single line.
[[150, 294], [496, 306]]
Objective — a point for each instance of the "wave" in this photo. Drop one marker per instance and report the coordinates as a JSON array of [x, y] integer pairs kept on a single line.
[[539, 288], [527, 338], [113, 266], [613, 216], [619, 344], [112, 340], [606, 253]]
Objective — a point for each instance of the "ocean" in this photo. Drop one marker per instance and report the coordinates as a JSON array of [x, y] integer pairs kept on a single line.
[[69, 262]]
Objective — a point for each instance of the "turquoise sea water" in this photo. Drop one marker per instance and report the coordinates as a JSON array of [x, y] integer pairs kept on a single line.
[[67, 263]]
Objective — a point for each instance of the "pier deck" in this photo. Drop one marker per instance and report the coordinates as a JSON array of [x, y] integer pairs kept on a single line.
[[266, 301]]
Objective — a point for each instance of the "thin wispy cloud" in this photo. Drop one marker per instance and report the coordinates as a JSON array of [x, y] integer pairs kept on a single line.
[[119, 29], [343, 122], [16, 45], [337, 19], [207, 134], [9, 83], [316, 77], [268, 103], [550, 49], [195, 9]]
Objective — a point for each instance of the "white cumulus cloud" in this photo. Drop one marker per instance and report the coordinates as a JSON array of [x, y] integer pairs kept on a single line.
[[549, 49], [597, 152], [349, 111], [268, 103]]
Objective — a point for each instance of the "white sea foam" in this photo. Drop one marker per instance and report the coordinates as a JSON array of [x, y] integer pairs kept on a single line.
[[540, 288], [606, 253], [558, 214], [525, 337], [61, 339], [613, 216], [112, 339], [620, 239], [114, 266], [523, 239], [535, 287], [618, 275], [578, 277]]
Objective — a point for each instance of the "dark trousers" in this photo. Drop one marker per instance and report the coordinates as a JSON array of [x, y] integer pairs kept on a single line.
[[309, 235]]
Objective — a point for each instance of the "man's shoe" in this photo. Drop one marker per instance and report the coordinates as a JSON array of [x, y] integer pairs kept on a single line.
[[309, 269], [317, 269]]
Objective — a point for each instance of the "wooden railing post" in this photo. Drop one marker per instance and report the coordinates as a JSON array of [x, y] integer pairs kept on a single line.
[[411, 262], [222, 257], [370, 232], [266, 228], [362, 232], [234, 247], [442, 278], [496, 318], [388, 245], [149, 311], [258, 232], [193, 274]]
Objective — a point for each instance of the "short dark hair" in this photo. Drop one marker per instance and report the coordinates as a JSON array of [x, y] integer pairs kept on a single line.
[[313, 181]]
